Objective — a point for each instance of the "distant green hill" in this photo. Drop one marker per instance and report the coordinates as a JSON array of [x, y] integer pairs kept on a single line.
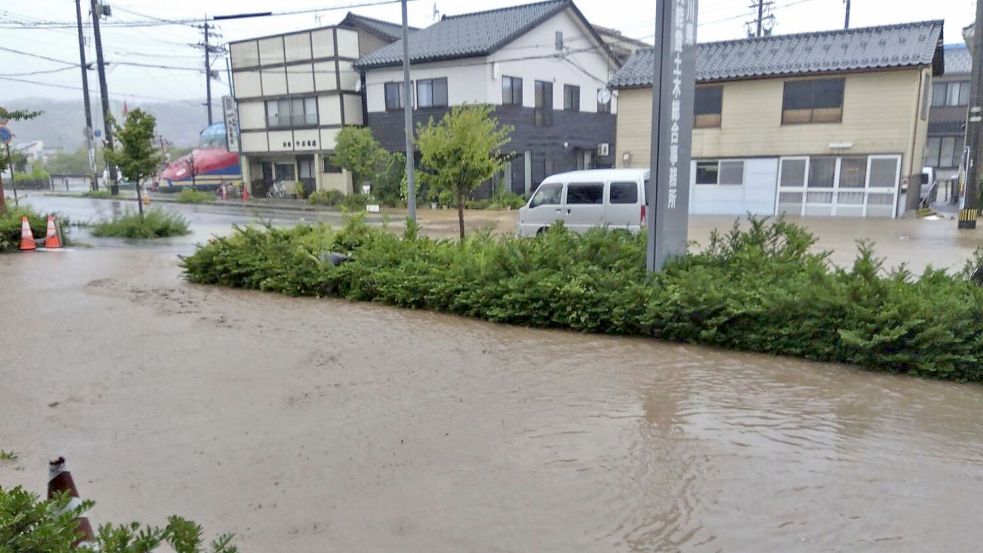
[[63, 121]]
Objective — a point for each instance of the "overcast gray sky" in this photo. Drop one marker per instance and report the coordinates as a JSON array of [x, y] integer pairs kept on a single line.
[[175, 77]]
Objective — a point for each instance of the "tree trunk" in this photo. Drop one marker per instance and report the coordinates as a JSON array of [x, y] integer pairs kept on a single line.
[[139, 199], [3, 201], [460, 212]]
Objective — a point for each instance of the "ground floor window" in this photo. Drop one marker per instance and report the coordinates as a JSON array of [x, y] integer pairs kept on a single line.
[[839, 185], [720, 172]]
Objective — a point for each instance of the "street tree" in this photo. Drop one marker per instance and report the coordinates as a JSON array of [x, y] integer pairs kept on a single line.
[[5, 116], [137, 156], [462, 151], [359, 152]]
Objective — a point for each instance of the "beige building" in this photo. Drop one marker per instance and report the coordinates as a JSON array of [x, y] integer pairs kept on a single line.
[[294, 92], [830, 123]]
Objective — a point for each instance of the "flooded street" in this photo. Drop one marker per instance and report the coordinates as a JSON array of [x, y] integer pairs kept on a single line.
[[321, 425]]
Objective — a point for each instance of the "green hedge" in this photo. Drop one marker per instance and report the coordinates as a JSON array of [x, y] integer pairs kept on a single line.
[[192, 196], [762, 289]]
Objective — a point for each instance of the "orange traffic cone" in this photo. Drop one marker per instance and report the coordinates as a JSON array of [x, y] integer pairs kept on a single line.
[[60, 480], [52, 241], [26, 236]]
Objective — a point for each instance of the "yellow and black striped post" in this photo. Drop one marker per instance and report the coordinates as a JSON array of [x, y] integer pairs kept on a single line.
[[967, 218]]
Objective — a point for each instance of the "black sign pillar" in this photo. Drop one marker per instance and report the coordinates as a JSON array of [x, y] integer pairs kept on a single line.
[[673, 81]]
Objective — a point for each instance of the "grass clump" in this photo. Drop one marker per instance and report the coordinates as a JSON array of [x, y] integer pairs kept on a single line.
[[192, 196], [10, 222], [761, 289], [326, 197], [97, 194], [7, 455], [155, 223]]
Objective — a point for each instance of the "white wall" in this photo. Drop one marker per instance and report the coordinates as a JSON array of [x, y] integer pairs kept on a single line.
[[252, 115], [756, 196], [540, 42], [466, 81], [479, 80]]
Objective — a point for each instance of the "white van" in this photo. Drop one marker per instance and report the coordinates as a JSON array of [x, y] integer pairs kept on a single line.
[[584, 199]]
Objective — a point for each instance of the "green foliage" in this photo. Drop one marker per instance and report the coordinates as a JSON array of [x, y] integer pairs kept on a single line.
[[10, 222], [37, 173], [157, 223], [74, 163], [326, 197], [359, 152], [192, 196], [506, 200], [354, 202], [762, 289], [462, 151], [29, 524], [101, 194], [14, 115], [7, 455], [136, 155], [298, 190]]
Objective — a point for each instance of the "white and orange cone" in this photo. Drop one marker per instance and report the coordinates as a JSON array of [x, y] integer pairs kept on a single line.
[[60, 480], [26, 236], [51, 241]]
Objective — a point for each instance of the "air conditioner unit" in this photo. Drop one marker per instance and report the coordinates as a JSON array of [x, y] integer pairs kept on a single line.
[[603, 149]]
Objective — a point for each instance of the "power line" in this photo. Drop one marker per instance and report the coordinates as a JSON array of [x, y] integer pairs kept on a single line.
[[117, 95], [158, 22], [42, 72], [33, 55]]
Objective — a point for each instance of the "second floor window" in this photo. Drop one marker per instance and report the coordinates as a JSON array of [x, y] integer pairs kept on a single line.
[[544, 104], [950, 94], [813, 101], [394, 96], [708, 106], [431, 93], [291, 112], [511, 91], [571, 97]]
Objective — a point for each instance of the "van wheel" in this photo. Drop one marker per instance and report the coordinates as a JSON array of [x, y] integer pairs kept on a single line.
[[540, 231]]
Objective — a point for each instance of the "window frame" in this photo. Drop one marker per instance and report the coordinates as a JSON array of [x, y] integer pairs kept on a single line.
[[399, 95], [435, 90], [515, 93], [539, 190], [543, 110], [812, 96], [634, 186], [719, 171], [571, 98], [712, 119], [285, 117], [586, 185]]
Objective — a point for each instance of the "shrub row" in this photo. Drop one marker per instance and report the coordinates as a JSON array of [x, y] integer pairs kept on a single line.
[[192, 196], [155, 223], [762, 289]]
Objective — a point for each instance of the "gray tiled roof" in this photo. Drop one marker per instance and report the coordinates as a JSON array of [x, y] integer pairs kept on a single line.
[[466, 35], [887, 46], [957, 60], [392, 31]]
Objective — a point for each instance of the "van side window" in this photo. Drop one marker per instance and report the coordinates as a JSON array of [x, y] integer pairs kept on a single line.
[[592, 193], [624, 193], [547, 194]]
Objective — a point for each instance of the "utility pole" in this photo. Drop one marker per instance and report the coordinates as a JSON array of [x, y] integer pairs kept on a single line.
[[408, 121], [208, 74], [761, 23], [974, 128], [107, 115], [93, 180], [846, 22]]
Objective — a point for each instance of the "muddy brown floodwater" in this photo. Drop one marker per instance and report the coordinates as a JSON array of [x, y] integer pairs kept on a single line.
[[319, 425]]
